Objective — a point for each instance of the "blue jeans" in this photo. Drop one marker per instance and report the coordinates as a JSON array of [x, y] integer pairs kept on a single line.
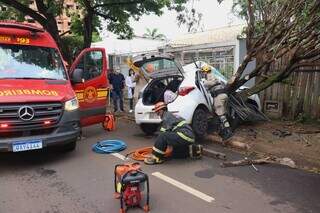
[[117, 96]]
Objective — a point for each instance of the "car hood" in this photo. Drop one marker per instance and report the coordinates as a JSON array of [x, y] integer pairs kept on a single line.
[[26, 91]]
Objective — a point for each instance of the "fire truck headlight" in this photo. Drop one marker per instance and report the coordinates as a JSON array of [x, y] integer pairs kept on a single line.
[[71, 105]]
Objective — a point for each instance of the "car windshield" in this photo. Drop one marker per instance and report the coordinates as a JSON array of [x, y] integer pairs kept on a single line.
[[218, 74], [24, 62]]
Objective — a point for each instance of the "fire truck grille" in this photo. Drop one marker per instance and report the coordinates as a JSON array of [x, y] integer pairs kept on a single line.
[[29, 119]]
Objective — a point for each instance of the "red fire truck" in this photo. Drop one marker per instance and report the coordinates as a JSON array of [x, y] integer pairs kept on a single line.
[[41, 103]]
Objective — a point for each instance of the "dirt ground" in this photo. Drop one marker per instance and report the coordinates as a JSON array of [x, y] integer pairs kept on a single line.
[[300, 142]]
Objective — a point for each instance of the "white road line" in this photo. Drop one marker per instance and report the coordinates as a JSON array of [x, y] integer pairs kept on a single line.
[[183, 187], [117, 155]]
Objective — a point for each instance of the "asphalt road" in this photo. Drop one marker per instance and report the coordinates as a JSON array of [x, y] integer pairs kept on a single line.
[[82, 181]]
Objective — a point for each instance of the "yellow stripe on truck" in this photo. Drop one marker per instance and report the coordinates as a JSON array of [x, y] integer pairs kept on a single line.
[[79, 95], [102, 93]]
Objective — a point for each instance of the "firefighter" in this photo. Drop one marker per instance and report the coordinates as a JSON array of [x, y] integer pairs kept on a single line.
[[218, 92], [174, 132]]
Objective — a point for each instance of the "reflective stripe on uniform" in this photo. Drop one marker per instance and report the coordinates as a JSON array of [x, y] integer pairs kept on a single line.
[[158, 151], [162, 129], [184, 137], [180, 124]]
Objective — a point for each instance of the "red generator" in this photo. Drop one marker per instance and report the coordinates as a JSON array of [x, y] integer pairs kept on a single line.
[[129, 183]]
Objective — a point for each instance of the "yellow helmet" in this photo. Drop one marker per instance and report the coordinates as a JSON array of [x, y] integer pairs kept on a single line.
[[206, 68]]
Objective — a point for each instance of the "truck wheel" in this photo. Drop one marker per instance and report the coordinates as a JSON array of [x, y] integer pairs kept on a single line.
[[149, 129], [70, 146], [200, 122]]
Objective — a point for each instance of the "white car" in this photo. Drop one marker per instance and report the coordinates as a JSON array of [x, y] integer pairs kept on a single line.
[[192, 103]]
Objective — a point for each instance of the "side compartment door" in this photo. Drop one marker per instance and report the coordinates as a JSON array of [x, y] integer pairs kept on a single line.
[[88, 76]]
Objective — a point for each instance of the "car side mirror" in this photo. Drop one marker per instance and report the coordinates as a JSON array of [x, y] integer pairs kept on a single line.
[[76, 77]]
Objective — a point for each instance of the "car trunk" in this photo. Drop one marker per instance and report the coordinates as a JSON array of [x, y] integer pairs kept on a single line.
[[154, 92]]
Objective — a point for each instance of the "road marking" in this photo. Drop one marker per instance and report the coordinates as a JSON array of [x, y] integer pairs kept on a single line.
[[183, 187], [117, 155]]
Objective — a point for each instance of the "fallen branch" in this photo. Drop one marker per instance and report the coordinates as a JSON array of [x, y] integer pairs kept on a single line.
[[246, 161], [308, 132], [282, 161], [214, 154]]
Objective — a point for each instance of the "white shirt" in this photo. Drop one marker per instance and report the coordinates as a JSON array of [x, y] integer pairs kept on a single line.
[[129, 82]]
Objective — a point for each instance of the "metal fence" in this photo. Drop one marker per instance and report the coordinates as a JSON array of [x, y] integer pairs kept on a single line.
[[224, 64]]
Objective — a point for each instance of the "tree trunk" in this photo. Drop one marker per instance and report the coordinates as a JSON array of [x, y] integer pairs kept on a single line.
[[278, 76], [52, 28], [88, 29]]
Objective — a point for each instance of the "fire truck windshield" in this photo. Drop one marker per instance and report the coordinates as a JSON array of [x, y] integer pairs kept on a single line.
[[30, 62]]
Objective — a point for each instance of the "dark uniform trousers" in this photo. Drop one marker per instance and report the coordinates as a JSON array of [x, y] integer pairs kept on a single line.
[[179, 145], [174, 132]]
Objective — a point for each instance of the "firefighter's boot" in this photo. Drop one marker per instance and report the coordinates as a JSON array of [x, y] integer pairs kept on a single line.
[[195, 151], [226, 130], [152, 159], [226, 135]]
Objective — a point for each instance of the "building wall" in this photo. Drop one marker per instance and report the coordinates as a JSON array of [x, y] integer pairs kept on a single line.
[[240, 53], [64, 20], [221, 55]]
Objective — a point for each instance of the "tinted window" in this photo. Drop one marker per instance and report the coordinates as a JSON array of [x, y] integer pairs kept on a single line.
[[91, 64]]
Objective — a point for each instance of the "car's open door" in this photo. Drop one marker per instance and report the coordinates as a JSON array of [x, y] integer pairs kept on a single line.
[[89, 79], [203, 90]]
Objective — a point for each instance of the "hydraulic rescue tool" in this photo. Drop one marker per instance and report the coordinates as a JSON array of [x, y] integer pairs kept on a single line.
[[129, 184]]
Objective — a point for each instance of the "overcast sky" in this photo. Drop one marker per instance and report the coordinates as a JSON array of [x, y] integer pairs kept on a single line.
[[214, 15]]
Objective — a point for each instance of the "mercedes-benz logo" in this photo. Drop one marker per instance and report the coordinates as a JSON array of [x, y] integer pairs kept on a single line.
[[26, 113]]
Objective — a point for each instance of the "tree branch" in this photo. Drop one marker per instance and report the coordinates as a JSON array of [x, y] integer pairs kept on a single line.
[[105, 16], [118, 3], [25, 10]]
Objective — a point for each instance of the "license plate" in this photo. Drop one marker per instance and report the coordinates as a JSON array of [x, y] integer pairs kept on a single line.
[[26, 145], [153, 115]]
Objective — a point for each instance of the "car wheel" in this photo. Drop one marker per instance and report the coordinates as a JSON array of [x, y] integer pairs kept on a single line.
[[149, 129], [200, 122], [70, 146]]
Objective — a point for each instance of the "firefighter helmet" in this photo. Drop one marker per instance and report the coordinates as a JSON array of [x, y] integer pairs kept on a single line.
[[159, 106], [206, 68]]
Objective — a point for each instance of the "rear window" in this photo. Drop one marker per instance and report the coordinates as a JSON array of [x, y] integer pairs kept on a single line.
[[160, 64], [160, 67], [24, 62]]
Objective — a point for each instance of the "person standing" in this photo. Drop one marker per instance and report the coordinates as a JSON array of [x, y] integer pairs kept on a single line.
[[131, 84], [117, 81]]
